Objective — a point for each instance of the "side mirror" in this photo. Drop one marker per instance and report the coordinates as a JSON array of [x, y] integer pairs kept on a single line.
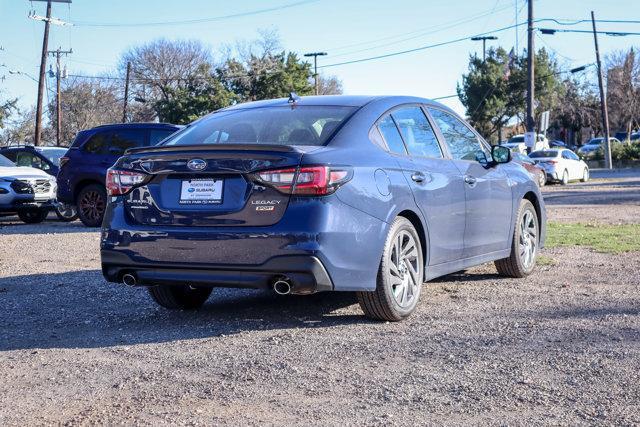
[[500, 154]]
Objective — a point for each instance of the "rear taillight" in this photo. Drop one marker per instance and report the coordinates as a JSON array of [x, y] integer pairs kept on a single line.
[[307, 180], [121, 181], [63, 160]]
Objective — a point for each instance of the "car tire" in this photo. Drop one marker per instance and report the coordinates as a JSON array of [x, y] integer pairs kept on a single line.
[[66, 212], [400, 275], [179, 297], [33, 216], [91, 204], [542, 179], [565, 178], [585, 175], [524, 244]]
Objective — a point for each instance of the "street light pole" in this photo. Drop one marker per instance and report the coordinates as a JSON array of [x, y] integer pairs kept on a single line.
[[603, 100], [484, 44], [315, 67]]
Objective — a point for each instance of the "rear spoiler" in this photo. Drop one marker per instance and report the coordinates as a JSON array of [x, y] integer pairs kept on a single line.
[[211, 147]]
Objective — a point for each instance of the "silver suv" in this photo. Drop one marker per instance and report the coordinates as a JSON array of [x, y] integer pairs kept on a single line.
[[27, 191]]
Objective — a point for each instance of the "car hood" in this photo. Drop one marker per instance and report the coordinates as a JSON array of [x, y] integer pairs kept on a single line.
[[22, 172]]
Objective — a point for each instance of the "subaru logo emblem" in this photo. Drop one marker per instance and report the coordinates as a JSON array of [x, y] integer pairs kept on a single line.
[[196, 164]]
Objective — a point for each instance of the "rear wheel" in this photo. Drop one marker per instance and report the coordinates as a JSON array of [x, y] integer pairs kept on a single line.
[[565, 177], [524, 246], [66, 212], [179, 297], [91, 203], [585, 175], [399, 276], [33, 216]]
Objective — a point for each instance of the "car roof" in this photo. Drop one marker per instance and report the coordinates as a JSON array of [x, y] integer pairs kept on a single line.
[[140, 125], [335, 100]]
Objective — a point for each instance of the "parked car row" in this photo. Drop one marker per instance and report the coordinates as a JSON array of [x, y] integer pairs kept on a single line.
[[79, 190]]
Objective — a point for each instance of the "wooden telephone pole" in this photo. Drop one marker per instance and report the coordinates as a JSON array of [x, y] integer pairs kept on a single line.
[[603, 100], [57, 54], [43, 66]]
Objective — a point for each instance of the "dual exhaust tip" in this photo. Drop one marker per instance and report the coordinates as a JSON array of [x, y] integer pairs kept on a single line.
[[280, 285]]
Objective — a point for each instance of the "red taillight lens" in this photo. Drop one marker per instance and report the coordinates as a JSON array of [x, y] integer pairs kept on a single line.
[[308, 180], [121, 181], [63, 160]]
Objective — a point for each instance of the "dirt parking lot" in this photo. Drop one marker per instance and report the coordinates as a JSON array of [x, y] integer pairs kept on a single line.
[[560, 347]]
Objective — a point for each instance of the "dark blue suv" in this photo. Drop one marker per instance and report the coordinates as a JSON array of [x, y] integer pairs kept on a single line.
[[83, 169]]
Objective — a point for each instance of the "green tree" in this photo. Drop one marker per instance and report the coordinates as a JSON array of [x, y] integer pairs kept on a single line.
[[6, 108], [198, 95], [273, 75], [494, 90]]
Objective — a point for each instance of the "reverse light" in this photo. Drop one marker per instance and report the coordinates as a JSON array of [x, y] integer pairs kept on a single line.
[[121, 181], [307, 181]]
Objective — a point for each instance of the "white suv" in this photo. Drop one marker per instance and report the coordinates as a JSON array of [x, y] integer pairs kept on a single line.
[[27, 191]]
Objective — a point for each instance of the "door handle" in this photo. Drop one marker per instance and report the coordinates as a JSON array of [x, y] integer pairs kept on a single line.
[[470, 180], [418, 177]]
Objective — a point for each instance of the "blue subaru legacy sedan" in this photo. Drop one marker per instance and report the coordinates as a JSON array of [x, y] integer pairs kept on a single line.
[[334, 193]]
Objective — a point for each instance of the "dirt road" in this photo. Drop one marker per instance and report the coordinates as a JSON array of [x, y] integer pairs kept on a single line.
[[560, 347]]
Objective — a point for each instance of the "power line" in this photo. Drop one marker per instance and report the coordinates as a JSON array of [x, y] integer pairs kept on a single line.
[[193, 21]]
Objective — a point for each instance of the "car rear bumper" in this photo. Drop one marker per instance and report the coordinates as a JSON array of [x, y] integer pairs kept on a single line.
[[319, 244], [305, 273]]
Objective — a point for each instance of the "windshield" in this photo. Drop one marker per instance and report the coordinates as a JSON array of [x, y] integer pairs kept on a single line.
[[290, 125], [54, 154], [544, 154], [516, 139], [6, 162], [595, 141]]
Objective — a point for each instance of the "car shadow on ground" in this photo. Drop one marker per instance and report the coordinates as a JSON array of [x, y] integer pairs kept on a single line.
[[12, 225], [81, 310]]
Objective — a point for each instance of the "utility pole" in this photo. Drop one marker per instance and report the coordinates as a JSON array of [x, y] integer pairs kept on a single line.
[[57, 54], [530, 136], [43, 66], [603, 100], [126, 93], [484, 44], [315, 66]]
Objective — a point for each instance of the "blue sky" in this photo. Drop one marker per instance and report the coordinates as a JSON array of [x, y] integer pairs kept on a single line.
[[347, 30]]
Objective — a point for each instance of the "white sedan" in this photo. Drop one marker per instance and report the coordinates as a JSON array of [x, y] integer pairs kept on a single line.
[[561, 165]]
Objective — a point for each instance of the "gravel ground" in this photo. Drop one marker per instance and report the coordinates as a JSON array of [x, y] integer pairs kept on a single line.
[[560, 347]]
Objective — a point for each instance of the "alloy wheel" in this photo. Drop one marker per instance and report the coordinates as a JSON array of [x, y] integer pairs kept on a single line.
[[528, 243], [92, 205], [404, 269]]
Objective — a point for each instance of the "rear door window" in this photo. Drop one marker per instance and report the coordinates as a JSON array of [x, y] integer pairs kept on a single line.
[[97, 144], [121, 140], [416, 132], [391, 135]]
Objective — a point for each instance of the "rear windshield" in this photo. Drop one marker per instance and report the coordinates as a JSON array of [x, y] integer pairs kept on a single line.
[[54, 154], [595, 141], [6, 162], [290, 125], [541, 154]]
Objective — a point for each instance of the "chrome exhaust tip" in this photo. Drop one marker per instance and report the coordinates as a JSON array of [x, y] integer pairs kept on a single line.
[[129, 279], [282, 286]]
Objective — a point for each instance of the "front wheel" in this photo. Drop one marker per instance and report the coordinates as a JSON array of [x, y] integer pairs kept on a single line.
[[179, 297], [400, 275], [33, 216], [585, 175], [542, 179], [524, 244], [66, 212]]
